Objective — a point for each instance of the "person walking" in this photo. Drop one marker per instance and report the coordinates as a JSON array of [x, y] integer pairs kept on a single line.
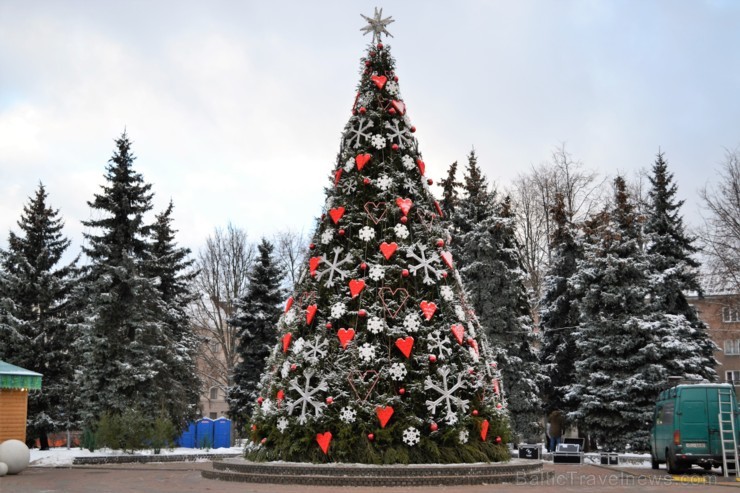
[[556, 422]]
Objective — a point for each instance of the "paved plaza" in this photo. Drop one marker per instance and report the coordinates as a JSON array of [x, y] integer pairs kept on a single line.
[[186, 477]]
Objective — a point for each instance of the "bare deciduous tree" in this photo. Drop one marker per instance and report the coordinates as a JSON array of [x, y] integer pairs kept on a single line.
[[291, 247], [223, 267], [721, 232]]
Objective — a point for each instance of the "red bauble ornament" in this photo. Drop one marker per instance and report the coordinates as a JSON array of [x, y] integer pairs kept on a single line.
[[363, 266], [293, 367], [404, 219], [362, 110], [370, 437], [263, 441], [401, 391], [312, 246], [395, 78], [366, 181], [499, 406], [380, 46], [372, 54], [392, 111], [433, 426], [475, 412], [329, 400], [260, 400], [471, 370], [412, 129], [498, 439], [394, 147], [440, 242], [367, 63], [432, 358], [430, 181], [341, 232], [328, 325], [405, 273], [254, 427], [444, 274], [361, 313]]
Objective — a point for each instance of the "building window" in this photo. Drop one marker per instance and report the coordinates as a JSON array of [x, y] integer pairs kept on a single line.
[[733, 376], [214, 393], [732, 347], [730, 315]]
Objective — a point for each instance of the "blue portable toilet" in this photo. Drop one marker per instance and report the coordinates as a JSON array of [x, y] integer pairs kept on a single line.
[[204, 433], [222, 433], [187, 438]]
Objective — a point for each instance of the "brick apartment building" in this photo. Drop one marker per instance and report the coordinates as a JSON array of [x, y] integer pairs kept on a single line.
[[721, 313]]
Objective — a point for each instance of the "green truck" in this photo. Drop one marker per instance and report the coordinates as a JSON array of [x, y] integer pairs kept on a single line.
[[688, 429]]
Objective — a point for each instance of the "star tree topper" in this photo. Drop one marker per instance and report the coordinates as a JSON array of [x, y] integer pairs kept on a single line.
[[376, 25]]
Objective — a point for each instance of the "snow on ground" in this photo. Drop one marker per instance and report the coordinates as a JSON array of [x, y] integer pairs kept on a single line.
[[56, 457]]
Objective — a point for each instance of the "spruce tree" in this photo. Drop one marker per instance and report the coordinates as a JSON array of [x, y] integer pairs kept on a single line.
[[494, 276], [37, 314], [619, 370], [450, 187], [559, 315], [377, 359], [173, 268], [126, 343], [256, 321]]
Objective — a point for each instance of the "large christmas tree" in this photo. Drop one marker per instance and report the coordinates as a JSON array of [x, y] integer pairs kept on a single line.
[[380, 359]]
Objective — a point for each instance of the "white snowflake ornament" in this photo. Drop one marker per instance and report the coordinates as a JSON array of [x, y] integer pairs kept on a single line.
[[408, 162], [334, 267], [438, 345], [366, 352], [446, 293], [307, 393], [348, 415], [359, 132], [411, 436], [401, 231], [378, 141], [366, 233], [285, 369], [377, 272], [392, 87], [446, 393], [463, 436], [375, 325], [384, 182], [327, 236], [397, 371], [412, 322], [427, 263], [282, 424], [338, 310], [349, 165], [315, 350], [289, 317], [297, 346], [460, 313]]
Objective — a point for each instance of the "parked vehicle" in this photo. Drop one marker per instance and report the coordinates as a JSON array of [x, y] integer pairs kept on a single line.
[[686, 426]]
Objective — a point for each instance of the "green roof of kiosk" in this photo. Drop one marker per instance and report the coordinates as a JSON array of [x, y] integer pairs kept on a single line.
[[15, 377]]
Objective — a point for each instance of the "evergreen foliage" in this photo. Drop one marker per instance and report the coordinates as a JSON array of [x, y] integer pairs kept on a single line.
[[256, 322], [620, 367], [37, 314], [492, 271], [127, 344], [354, 342], [559, 317], [450, 196]]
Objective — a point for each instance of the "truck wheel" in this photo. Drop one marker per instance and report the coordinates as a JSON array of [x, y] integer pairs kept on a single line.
[[671, 463], [654, 462]]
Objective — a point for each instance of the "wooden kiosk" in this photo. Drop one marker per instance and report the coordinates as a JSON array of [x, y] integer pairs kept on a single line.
[[15, 382]]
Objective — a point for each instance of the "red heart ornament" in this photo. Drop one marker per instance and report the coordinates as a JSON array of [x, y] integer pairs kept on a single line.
[[399, 106], [345, 335], [356, 286], [336, 214], [474, 344], [379, 80], [405, 345], [310, 313], [422, 167], [280, 395], [324, 439], [447, 257], [286, 341], [496, 388], [388, 249], [404, 205], [428, 308], [384, 414], [337, 176], [288, 303], [361, 160], [313, 264], [458, 331], [484, 430], [439, 209]]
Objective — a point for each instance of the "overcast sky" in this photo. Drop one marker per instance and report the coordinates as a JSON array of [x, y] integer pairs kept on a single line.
[[236, 108]]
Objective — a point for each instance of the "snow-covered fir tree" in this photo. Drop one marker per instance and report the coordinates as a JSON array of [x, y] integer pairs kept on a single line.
[[620, 367], [559, 317], [126, 343], [172, 268], [378, 359], [689, 351], [493, 274], [256, 321], [450, 191], [37, 314]]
